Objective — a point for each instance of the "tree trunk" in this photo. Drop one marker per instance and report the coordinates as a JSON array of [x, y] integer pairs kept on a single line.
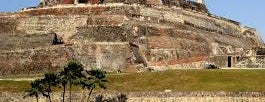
[[37, 98], [90, 93], [64, 91], [70, 91], [49, 95]]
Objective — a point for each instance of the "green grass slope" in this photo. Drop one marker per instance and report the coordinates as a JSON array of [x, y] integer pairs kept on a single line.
[[191, 80], [175, 80]]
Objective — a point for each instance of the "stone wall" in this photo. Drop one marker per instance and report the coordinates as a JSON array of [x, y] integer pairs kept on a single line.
[[205, 25], [105, 33], [103, 55], [186, 4], [62, 10], [115, 36], [110, 56], [7, 24], [210, 24], [152, 97], [64, 26], [147, 2], [14, 42], [194, 19], [198, 99], [33, 61]]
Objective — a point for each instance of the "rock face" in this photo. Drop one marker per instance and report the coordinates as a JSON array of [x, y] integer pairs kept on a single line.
[[124, 37]]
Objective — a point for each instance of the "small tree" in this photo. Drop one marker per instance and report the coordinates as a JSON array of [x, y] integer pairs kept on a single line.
[[35, 90], [96, 78], [63, 80], [72, 72], [50, 80]]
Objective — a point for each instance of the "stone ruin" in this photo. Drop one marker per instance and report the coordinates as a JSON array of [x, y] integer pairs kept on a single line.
[[124, 36]]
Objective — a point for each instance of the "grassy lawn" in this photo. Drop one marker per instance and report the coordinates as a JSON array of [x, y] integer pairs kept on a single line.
[[14, 86], [175, 80]]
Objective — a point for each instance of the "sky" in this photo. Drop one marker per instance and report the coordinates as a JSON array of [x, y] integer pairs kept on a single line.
[[248, 12]]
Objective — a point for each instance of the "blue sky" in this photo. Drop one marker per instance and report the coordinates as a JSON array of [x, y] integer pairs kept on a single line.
[[248, 12]]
